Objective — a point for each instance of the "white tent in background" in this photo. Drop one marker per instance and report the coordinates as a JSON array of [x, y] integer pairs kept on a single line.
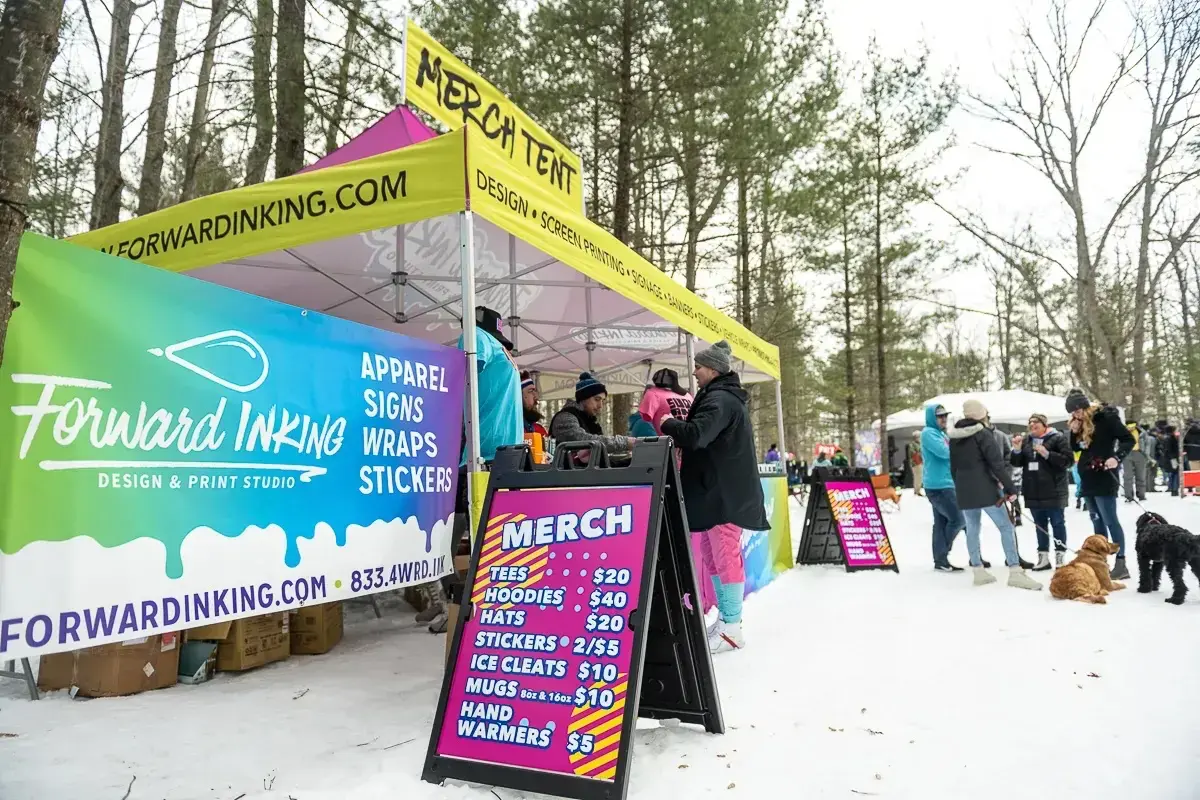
[[1009, 409]]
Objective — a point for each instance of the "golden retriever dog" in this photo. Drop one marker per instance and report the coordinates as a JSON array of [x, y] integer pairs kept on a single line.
[[1087, 578]]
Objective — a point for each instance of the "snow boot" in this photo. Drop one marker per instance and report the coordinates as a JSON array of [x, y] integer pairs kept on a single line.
[[1043, 563], [986, 564], [437, 603], [1025, 564], [1119, 571], [1019, 580], [727, 637], [982, 576], [1059, 555]]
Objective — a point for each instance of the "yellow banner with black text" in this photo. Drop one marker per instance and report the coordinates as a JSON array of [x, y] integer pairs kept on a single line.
[[442, 86], [418, 182], [503, 195]]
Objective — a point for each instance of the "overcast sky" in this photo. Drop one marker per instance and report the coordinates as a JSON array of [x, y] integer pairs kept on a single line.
[[979, 40]]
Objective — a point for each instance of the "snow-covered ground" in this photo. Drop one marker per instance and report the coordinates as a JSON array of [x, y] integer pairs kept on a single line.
[[914, 685]]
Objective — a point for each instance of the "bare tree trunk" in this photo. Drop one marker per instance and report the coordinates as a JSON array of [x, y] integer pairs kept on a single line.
[[29, 42], [264, 113], [106, 201], [880, 305], [1189, 339], [625, 125], [150, 190], [743, 255], [848, 327], [336, 118], [198, 130], [289, 89]]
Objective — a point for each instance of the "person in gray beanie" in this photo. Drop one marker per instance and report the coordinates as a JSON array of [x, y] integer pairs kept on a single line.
[[721, 489]]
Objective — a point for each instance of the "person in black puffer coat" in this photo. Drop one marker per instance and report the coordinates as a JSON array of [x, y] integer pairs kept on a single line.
[[1168, 457], [1045, 459], [1103, 442], [982, 484], [721, 489]]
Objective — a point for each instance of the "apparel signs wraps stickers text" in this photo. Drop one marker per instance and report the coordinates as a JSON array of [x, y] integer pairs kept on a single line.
[[542, 671], [208, 456]]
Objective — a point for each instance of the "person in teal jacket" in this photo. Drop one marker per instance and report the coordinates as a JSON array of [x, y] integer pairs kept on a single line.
[[939, 487]]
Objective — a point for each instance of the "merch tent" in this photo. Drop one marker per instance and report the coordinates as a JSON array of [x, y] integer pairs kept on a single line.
[[1009, 409], [405, 240]]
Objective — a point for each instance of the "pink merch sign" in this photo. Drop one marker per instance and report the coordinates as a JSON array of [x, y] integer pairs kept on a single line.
[[542, 671], [860, 524]]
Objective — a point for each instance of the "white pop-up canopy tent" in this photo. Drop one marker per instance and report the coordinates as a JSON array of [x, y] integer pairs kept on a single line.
[[1009, 408], [406, 240]]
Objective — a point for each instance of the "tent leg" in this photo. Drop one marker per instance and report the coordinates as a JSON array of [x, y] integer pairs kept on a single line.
[[466, 240], [779, 417], [690, 344]]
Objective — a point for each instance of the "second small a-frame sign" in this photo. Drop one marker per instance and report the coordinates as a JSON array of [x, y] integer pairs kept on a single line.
[[843, 523], [575, 624]]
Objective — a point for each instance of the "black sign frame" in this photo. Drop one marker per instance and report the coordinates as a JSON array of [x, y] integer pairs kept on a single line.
[[661, 617], [820, 542]]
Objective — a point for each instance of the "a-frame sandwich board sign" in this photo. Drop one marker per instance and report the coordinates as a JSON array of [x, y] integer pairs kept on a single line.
[[843, 523], [574, 623]]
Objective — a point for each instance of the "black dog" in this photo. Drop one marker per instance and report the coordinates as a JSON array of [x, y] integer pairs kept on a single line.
[[1162, 545]]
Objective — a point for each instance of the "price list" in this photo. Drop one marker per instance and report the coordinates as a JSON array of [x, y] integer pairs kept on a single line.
[[860, 524], [542, 671]]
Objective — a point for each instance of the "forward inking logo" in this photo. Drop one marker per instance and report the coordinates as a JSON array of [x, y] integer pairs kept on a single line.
[[84, 419], [223, 339]]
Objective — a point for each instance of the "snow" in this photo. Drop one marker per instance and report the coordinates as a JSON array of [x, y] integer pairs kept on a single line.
[[915, 685]]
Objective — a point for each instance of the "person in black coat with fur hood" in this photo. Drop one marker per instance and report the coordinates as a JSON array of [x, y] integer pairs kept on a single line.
[[1103, 442], [1045, 459], [982, 484]]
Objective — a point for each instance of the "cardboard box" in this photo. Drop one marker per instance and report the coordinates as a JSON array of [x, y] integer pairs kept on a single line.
[[247, 643], [316, 629], [113, 670]]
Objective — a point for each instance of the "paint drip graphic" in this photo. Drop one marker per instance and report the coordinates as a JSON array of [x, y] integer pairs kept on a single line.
[[235, 339]]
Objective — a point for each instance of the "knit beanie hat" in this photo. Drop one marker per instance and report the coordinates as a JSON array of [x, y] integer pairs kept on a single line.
[[973, 409], [526, 380], [1077, 401], [587, 386], [717, 357]]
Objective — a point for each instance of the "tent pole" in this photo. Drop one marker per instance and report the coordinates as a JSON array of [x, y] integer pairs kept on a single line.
[[514, 319], [466, 240], [591, 340], [690, 343], [779, 417]]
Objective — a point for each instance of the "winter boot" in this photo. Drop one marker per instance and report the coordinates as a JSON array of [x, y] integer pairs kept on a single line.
[[1119, 571], [1025, 564], [727, 637], [986, 564], [1043, 563], [1059, 555], [437, 603], [982, 576], [1019, 580], [1078, 503]]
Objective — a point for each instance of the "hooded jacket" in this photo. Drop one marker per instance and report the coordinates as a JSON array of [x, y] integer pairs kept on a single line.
[[980, 470], [1044, 478], [1111, 440], [573, 424], [719, 469], [935, 449]]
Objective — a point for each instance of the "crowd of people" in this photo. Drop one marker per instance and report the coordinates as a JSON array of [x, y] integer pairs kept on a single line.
[[971, 470], [712, 431]]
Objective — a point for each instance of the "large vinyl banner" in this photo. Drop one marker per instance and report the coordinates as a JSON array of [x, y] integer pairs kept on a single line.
[[174, 453]]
